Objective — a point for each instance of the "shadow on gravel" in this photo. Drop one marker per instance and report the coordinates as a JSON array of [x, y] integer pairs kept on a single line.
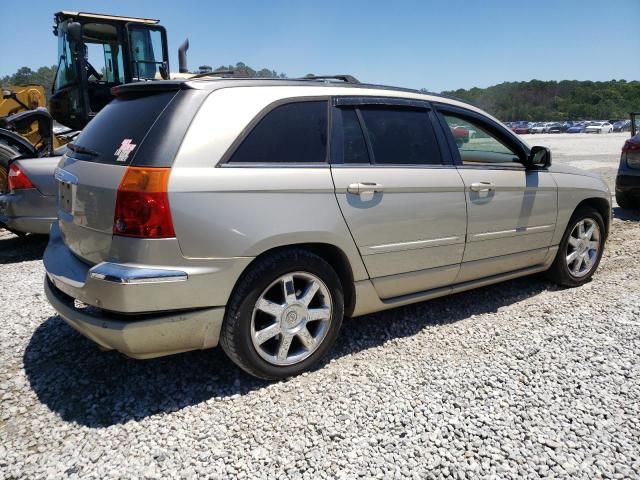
[[74, 379], [14, 249], [626, 214]]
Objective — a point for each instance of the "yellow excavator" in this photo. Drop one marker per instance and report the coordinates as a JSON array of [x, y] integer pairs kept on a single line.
[[96, 52]]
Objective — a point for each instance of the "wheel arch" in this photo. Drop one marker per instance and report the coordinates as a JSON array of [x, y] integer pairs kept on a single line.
[[602, 206], [330, 253]]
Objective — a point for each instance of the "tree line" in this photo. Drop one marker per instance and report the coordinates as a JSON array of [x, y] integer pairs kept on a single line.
[[538, 100], [43, 76], [534, 100]]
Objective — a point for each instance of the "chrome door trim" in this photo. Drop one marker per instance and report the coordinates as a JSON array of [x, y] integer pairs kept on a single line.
[[510, 233], [412, 245]]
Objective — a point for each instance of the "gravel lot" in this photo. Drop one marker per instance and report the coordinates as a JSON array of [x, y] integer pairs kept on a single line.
[[517, 380]]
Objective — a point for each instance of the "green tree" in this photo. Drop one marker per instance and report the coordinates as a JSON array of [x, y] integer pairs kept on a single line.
[[43, 76], [551, 100]]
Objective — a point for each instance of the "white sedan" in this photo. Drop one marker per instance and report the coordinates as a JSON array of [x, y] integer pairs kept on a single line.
[[599, 127], [537, 128]]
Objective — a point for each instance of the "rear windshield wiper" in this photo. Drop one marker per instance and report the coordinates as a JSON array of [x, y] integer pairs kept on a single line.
[[80, 149]]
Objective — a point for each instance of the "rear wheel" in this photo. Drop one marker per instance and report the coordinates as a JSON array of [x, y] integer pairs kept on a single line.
[[580, 250], [284, 315]]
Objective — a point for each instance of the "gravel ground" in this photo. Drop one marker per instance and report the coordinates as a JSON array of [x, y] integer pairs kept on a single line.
[[517, 380]]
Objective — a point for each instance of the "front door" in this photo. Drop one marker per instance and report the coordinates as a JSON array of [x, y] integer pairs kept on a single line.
[[400, 196], [511, 210]]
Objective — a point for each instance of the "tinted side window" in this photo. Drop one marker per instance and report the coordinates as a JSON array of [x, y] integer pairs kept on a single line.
[[354, 146], [290, 133], [477, 145], [401, 136]]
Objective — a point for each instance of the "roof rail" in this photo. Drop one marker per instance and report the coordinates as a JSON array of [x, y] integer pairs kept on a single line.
[[214, 73], [344, 78]]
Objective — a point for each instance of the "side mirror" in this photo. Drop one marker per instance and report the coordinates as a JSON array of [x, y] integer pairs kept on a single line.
[[74, 30], [540, 157]]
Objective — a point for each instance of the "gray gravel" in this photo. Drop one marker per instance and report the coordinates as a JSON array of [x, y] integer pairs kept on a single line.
[[518, 380]]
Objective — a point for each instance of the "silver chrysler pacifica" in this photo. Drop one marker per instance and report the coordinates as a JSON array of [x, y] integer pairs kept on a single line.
[[258, 213]]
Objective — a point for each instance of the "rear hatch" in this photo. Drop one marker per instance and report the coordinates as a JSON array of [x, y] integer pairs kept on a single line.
[[143, 126]]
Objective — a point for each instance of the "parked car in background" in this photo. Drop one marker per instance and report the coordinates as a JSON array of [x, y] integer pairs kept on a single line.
[[553, 127], [520, 127], [599, 127], [628, 178], [577, 128], [622, 126], [29, 205], [536, 128], [213, 211], [460, 133]]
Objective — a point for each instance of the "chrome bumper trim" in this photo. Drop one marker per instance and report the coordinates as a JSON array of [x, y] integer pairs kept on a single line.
[[111, 272]]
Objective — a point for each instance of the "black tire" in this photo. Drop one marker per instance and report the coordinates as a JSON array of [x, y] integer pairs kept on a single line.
[[559, 271], [626, 201], [235, 337]]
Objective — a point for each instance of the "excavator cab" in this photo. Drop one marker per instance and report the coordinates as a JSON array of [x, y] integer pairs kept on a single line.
[[97, 52]]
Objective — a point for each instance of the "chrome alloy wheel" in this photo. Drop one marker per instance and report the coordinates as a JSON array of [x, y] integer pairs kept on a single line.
[[583, 247], [291, 318]]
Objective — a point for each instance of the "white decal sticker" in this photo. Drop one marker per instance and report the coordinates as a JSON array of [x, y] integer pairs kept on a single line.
[[126, 147]]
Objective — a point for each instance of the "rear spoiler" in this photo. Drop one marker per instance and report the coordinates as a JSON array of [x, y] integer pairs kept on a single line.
[[149, 88]]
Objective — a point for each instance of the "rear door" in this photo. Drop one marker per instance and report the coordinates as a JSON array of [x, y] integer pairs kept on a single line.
[[511, 210], [400, 195]]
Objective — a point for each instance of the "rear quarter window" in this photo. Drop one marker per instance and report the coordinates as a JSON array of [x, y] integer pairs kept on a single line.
[[290, 133], [118, 130]]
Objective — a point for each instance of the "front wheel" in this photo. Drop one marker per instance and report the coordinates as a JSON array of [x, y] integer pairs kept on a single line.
[[284, 315], [580, 250]]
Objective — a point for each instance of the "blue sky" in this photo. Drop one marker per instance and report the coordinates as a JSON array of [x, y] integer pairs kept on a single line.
[[439, 45]]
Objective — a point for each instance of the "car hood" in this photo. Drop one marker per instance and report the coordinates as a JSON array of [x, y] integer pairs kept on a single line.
[[572, 171]]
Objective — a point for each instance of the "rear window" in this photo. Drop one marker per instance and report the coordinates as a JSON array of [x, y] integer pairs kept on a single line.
[[291, 133], [116, 133]]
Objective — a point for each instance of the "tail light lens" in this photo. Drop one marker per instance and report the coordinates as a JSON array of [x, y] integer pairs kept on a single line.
[[631, 150], [18, 179], [142, 204]]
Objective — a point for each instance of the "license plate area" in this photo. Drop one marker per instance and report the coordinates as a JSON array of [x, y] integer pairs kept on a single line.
[[65, 197]]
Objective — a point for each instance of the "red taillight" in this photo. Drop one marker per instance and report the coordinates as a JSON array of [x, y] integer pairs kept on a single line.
[[17, 179], [142, 205], [630, 146]]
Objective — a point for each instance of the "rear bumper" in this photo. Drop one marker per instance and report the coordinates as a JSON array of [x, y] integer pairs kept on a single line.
[[142, 310], [27, 211], [146, 337], [628, 184], [144, 286]]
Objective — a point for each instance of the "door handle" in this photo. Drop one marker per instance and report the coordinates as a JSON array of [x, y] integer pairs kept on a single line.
[[364, 187], [482, 186]]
